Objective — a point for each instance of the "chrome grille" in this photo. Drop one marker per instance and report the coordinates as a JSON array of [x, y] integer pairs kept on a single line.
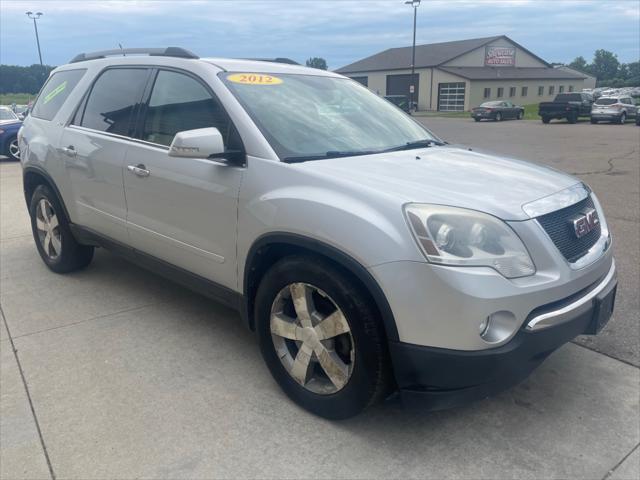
[[559, 227]]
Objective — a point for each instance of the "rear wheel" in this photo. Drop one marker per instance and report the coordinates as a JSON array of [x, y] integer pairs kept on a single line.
[[498, 117], [572, 118], [477, 119], [594, 121], [321, 338], [546, 119], [55, 242], [623, 118]]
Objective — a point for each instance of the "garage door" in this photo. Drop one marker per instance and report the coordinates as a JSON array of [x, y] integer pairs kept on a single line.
[[451, 97], [399, 85]]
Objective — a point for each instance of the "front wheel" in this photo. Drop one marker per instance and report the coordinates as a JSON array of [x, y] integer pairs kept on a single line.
[[55, 242], [594, 121], [477, 119], [623, 118], [572, 118], [321, 337], [520, 115], [546, 119], [13, 152]]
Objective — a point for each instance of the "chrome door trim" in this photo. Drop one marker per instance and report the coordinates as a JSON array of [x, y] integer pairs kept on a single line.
[[101, 212], [119, 137], [177, 243]]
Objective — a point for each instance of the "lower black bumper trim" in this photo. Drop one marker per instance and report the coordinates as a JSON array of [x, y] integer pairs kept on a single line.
[[438, 378]]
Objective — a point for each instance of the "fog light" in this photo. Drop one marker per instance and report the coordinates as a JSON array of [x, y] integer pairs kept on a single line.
[[498, 326]]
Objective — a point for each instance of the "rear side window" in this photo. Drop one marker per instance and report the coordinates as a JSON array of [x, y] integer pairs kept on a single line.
[[179, 102], [55, 92], [606, 101], [114, 98]]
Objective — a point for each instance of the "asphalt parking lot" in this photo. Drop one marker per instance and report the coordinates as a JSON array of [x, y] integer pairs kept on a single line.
[[113, 372]]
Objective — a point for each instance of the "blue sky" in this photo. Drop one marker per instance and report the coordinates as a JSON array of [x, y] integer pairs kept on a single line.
[[341, 31]]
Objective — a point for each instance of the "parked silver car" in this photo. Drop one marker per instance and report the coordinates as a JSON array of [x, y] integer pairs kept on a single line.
[[613, 109], [367, 254]]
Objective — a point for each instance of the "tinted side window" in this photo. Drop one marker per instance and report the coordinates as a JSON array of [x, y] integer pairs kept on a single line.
[[113, 100], [55, 92], [179, 102]]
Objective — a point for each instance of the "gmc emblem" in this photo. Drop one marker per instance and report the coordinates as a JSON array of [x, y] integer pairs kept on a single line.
[[586, 222]]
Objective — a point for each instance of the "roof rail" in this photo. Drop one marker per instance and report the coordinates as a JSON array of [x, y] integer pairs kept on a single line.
[[276, 60], [157, 52]]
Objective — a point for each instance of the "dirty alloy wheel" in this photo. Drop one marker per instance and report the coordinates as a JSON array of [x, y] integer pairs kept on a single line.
[[498, 117], [321, 337], [56, 245]]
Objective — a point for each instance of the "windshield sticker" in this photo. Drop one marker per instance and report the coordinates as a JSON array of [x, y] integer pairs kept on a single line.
[[55, 91], [254, 79]]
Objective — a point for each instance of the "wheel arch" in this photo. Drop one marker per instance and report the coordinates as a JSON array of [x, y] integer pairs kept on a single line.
[[271, 247], [34, 176]]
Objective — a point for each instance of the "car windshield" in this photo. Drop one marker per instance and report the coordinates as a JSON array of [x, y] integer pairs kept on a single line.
[[307, 116], [491, 104], [606, 101], [6, 114]]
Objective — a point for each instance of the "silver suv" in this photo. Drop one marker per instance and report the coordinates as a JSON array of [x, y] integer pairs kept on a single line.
[[367, 254]]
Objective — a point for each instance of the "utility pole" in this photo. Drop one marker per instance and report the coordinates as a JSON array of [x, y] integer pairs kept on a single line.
[[415, 4], [34, 17]]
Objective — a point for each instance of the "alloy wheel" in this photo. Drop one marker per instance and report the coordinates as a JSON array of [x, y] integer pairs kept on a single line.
[[48, 229], [14, 151], [312, 338]]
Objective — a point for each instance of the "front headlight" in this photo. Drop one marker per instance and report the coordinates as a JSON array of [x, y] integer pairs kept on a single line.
[[461, 237]]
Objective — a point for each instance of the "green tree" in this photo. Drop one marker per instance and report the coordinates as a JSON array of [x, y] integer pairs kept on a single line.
[[317, 62], [16, 79], [579, 63], [605, 65]]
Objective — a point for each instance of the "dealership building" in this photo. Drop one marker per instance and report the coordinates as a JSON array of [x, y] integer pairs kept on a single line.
[[460, 75]]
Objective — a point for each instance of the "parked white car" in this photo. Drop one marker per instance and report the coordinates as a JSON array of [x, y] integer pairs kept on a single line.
[[613, 109]]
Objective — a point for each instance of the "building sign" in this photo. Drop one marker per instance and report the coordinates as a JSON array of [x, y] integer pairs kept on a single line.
[[500, 56]]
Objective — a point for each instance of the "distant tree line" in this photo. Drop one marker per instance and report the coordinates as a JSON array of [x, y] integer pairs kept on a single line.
[[16, 79], [608, 70]]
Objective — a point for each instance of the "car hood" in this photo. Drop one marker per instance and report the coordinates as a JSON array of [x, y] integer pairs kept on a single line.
[[450, 176], [6, 123]]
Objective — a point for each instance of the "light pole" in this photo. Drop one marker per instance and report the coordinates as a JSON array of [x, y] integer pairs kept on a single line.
[[34, 17], [415, 4]]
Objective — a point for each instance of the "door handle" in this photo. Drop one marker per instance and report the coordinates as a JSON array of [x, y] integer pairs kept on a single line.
[[139, 170], [69, 151]]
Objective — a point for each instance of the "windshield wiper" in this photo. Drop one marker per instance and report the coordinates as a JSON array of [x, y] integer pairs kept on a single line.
[[329, 154], [427, 142]]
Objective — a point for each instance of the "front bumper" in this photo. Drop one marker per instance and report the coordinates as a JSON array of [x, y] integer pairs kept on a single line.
[[439, 378]]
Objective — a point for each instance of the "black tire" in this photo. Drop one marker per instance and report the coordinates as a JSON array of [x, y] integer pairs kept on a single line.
[[72, 255], [477, 119], [594, 121], [370, 378], [572, 118], [623, 118], [546, 119], [11, 148], [520, 115], [498, 117]]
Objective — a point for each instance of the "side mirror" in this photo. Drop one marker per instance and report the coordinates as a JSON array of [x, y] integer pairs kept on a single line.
[[198, 143]]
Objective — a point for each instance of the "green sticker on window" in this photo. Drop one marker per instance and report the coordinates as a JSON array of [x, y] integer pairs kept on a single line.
[[54, 92]]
